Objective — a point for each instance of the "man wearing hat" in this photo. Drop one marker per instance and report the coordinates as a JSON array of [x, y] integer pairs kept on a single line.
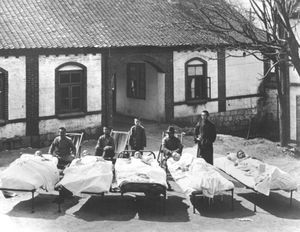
[[171, 144]]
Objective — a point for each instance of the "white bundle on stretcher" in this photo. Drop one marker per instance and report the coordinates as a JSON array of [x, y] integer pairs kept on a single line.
[[139, 171], [194, 174], [248, 172], [88, 174], [31, 172]]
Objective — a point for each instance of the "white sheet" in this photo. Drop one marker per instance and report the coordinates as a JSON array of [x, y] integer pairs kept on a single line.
[[135, 170], [194, 174], [31, 172], [247, 172], [88, 174]]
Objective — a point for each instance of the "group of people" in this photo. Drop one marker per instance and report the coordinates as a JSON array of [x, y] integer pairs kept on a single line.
[[204, 136]]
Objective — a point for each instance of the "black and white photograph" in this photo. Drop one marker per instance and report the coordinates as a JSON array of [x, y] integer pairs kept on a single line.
[[150, 115]]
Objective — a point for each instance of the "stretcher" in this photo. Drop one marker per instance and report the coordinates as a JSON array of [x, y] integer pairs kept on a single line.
[[30, 173], [195, 177], [90, 175], [255, 175], [141, 175]]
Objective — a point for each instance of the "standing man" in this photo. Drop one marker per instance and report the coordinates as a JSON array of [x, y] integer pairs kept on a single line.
[[63, 148], [105, 146], [137, 139], [205, 135]]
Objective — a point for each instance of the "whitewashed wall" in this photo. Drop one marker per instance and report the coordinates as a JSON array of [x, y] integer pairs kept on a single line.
[[16, 94], [294, 91], [47, 66], [242, 78], [52, 125], [180, 58], [147, 108]]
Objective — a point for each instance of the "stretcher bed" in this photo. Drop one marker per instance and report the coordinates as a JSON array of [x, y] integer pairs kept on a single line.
[[195, 177], [87, 175], [257, 176], [30, 173], [141, 175]]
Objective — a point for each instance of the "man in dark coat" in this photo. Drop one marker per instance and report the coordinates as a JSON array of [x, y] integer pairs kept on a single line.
[[205, 135], [137, 139]]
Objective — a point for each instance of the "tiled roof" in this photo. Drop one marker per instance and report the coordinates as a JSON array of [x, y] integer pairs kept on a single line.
[[97, 23]]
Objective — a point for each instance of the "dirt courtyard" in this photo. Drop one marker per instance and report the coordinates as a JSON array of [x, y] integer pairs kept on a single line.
[[136, 213]]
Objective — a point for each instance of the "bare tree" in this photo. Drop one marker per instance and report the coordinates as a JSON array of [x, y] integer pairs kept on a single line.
[[275, 39]]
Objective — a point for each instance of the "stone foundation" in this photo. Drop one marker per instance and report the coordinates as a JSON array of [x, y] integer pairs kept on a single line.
[[234, 122]]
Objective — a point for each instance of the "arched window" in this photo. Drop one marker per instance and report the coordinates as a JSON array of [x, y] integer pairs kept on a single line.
[[197, 82], [70, 85], [3, 95]]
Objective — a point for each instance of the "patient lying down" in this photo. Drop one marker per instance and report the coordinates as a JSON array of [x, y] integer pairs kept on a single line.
[[194, 174]]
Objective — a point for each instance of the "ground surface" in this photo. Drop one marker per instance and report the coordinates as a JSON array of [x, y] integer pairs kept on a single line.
[[135, 213]]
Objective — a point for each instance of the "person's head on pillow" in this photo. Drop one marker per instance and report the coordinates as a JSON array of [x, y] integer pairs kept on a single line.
[[38, 153], [240, 154], [137, 155], [176, 156]]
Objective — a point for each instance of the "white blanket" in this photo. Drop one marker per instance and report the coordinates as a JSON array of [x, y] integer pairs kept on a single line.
[[194, 174], [135, 170], [88, 174], [248, 173], [31, 172]]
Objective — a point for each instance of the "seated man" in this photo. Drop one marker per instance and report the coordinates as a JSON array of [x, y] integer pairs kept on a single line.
[[171, 147], [63, 148], [171, 144], [105, 146]]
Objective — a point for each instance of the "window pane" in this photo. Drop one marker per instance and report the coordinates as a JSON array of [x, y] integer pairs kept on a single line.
[[193, 88], [133, 88], [195, 62], [76, 91], [76, 103], [75, 77], [64, 78], [191, 71], [199, 70], [64, 92], [65, 104]]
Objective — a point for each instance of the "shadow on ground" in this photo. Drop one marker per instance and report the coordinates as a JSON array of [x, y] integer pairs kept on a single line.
[[275, 204], [220, 207], [43, 207], [116, 208]]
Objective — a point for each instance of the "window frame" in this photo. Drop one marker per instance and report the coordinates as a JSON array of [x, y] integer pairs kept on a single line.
[[83, 90], [141, 90], [207, 81]]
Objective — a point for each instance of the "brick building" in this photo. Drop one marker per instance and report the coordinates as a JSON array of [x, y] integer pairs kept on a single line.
[[79, 63]]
